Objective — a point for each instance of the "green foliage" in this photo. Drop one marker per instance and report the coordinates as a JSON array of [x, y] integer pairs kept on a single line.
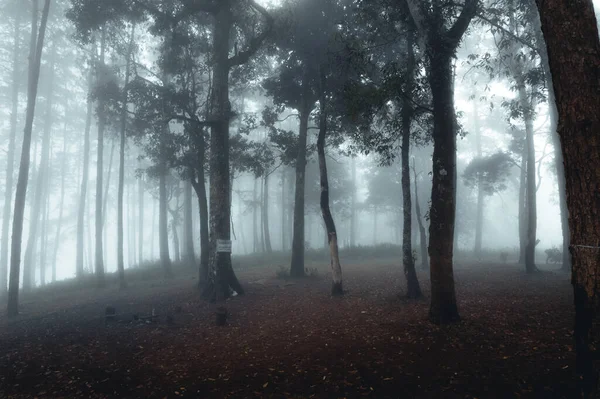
[[492, 172]]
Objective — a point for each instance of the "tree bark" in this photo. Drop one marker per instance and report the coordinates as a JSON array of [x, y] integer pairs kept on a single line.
[[530, 192], [283, 213], [200, 189], [297, 263], [480, 193], [163, 226], [99, 258], [63, 169], [353, 205], [40, 193], [35, 57], [412, 283], [523, 207], [140, 220], [336, 268], [254, 217], [10, 157], [574, 58], [221, 277]]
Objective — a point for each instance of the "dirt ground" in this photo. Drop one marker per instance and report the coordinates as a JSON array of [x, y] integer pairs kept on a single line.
[[292, 340]]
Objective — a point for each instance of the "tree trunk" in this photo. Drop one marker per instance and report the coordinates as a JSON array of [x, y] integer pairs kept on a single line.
[[200, 189], [188, 227], [254, 217], [221, 277], [265, 215], [297, 264], [353, 205], [443, 307], [140, 220], [174, 225], [422, 232], [40, 193], [480, 193], [163, 226], [336, 268], [153, 231], [523, 207], [63, 169], [111, 158], [260, 205], [530, 192], [10, 157], [81, 213], [574, 57], [35, 57], [413, 289], [99, 259], [283, 213], [44, 235]]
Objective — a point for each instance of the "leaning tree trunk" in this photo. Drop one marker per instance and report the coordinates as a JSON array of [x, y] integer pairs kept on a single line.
[[422, 232], [530, 196], [40, 193], [443, 307], [336, 268], [10, 157], [36, 46], [265, 215], [221, 277], [574, 57], [412, 283], [297, 265], [99, 258]]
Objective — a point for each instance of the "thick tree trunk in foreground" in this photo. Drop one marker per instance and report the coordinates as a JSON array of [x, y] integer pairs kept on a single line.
[[336, 268], [297, 265], [10, 158], [574, 57], [413, 290], [199, 185], [99, 258], [221, 277], [35, 57]]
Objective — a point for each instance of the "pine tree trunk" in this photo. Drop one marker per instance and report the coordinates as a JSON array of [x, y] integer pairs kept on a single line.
[[188, 227], [10, 157], [39, 195], [413, 289], [574, 57], [443, 307], [336, 268], [297, 263], [99, 259], [265, 215], [36, 46]]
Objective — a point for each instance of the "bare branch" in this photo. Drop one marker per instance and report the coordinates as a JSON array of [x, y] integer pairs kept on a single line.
[[243, 56]]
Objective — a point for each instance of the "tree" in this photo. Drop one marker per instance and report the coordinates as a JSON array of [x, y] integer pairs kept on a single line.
[[574, 59], [439, 44], [35, 57]]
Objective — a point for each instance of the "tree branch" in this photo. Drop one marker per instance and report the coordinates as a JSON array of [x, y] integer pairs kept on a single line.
[[456, 32], [243, 56]]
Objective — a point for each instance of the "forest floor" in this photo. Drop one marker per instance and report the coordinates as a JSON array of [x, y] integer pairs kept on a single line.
[[290, 339]]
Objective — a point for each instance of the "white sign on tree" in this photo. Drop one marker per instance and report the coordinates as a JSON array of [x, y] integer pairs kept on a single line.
[[224, 246]]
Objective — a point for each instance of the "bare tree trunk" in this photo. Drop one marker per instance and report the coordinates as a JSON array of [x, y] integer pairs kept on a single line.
[[44, 236], [413, 289], [124, 100], [530, 196], [63, 169], [81, 210], [283, 211], [99, 259], [200, 188], [10, 157], [188, 227], [297, 264], [153, 231], [163, 229], [336, 268], [523, 207], [254, 217], [39, 201], [265, 215], [574, 57], [422, 232], [480, 193], [107, 186], [36, 47], [353, 205], [140, 220]]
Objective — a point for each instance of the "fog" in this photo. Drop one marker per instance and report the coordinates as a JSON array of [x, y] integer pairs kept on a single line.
[[295, 130]]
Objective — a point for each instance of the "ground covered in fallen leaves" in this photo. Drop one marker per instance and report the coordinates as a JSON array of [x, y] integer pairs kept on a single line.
[[290, 339]]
